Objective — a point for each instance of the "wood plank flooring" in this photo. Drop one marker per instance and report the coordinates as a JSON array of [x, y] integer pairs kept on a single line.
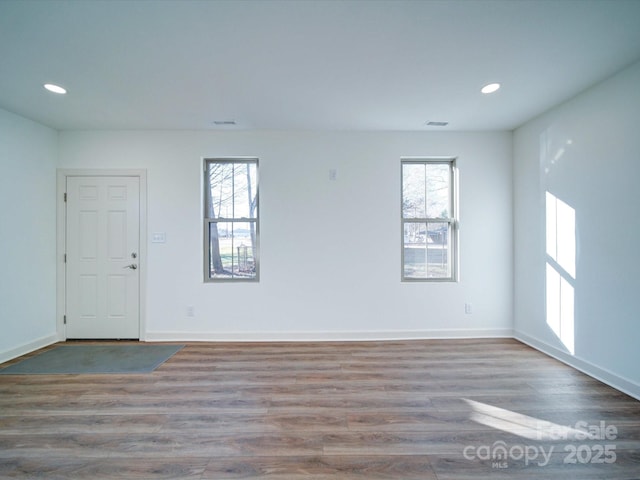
[[437, 409]]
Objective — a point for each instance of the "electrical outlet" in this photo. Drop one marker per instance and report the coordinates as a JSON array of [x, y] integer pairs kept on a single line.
[[191, 311], [468, 309]]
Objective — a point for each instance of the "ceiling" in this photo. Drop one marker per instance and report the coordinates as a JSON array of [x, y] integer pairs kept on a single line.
[[306, 65]]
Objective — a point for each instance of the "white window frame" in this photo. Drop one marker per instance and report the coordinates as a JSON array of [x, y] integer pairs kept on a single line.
[[208, 277], [452, 220]]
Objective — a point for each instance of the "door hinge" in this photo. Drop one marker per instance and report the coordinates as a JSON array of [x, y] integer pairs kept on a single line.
[[65, 258], [65, 196], [64, 319]]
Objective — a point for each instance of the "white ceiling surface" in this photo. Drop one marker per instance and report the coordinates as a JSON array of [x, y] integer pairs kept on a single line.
[[310, 65]]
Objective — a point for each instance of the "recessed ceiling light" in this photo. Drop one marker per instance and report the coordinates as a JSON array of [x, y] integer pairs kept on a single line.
[[55, 88], [492, 87], [437, 124]]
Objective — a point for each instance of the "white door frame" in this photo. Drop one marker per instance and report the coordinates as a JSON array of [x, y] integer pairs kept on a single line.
[[61, 223]]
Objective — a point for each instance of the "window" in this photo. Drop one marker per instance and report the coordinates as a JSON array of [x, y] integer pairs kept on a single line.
[[429, 226], [231, 219]]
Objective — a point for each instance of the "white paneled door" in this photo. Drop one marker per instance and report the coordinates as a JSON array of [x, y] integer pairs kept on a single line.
[[102, 257]]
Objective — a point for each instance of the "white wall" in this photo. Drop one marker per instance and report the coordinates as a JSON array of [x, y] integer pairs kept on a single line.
[[330, 250], [28, 155], [586, 153]]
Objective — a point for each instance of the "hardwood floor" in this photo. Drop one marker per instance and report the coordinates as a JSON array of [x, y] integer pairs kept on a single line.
[[406, 410]]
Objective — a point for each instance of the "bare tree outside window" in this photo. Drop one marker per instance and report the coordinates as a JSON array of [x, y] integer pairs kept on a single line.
[[231, 219]]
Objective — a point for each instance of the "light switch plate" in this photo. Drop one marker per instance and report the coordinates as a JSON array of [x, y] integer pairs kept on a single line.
[[158, 237]]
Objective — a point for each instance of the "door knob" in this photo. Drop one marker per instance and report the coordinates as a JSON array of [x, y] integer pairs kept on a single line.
[[133, 266]]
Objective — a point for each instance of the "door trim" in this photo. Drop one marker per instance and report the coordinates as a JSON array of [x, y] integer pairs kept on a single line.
[[61, 222]]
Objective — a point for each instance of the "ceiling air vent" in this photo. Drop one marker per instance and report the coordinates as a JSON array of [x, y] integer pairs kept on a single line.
[[437, 124]]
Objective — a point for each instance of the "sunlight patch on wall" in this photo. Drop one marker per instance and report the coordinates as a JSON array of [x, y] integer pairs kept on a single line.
[[561, 269]]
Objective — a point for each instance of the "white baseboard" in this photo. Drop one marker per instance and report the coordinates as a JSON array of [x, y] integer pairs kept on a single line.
[[613, 380], [28, 347], [328, 336]]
